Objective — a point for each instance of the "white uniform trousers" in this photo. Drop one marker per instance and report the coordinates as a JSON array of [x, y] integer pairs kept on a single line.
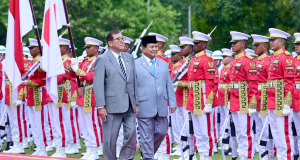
[[244, 134], [77, 122], [281, 129], [15, 122], [49, 130], [24, 119], [100, 134], [38, 123], [58, 124], [89, 127], [213, 125], [259, 122], [296, 119], [178, 118], [202, 130], [223, 113], [68, 123], [73, 124]]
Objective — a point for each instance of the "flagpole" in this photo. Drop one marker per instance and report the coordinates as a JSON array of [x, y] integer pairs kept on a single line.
[[36, 29], [70, 37]]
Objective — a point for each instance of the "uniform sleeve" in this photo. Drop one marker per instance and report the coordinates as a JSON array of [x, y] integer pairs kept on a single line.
[[65, 76], [37, 82], [251, 72], [170, 65], [289, 83], [210, 73], [89, 76]]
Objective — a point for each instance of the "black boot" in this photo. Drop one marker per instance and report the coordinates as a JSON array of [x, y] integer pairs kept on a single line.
[[7, 145], [228, 151], [296, 157]]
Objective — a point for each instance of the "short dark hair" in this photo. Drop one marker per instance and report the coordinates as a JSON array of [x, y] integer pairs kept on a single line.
[[109, 36]]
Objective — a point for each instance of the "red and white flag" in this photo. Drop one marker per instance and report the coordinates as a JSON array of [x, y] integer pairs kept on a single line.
[[20, 22], [51, 62]]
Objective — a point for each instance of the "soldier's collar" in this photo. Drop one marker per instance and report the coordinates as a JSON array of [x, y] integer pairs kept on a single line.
[[227, 66], [91, 58], [176, 64], [298, 57], [240, 55], [200, 54], [64, 56], [161, 53], [262, 56], [25, 58], [278, 52], [186, 58], [36, 58]]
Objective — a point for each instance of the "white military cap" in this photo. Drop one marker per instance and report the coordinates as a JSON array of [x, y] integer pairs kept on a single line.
[[209, 52], [26, 51], [227, 52], [258, 39], [100, 48], [127, 40], [89, 41], [159, 37], [250, 52], [64, 42], [297, 37], [71, 47], [200, 37], [2, 49], [33, 43], [186, 41], [217, 55], [238, 36], [174, 48], [277, 33]]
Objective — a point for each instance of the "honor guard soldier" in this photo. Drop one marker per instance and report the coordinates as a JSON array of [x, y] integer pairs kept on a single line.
[[127, 41], [296, 114], [280, 91], [161, 43], [243, 89], [86, 99], [201, 77], [224, 95], [261, 47], [37, 100]]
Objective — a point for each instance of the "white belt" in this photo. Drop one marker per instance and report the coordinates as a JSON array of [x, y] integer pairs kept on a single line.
[[271, 84], [222, 86], [236, 86], [88, 87], [297, 86], [259, 86], [61, 85]]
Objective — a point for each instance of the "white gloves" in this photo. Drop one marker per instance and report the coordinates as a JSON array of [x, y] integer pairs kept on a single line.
[[74, 64], [24, 82], [207, 108], [18, 103], [175, 84], [251, 111], [286, 110], [73, 104]]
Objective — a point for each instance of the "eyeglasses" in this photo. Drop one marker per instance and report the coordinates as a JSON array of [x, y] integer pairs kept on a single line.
[[120, 39]]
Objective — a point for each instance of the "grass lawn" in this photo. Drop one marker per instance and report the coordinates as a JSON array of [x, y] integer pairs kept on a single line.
[[217, 156]]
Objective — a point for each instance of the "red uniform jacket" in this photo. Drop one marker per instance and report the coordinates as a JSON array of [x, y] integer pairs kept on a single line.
[[36, 81], [88, 77], [281, 66], [1, 78], [216, 86], [163, 57], [179, 91], [262, 75], [201, 67], [243, 68], [224, 79], [297, 81]]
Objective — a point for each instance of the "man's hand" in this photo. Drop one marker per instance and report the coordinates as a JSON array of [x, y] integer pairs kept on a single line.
[[24, 82], [286, 110], [172, 110], [175, 84], [251, 111], [136, 110], [207, 108], [74, 64], [103, 114]]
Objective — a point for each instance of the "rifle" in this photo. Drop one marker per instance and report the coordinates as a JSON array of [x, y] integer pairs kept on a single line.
[[105, 48], [186, 64], [133, 50]]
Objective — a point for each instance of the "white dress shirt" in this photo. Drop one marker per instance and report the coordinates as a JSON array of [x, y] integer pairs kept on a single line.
[[149, 61], [117, 58]]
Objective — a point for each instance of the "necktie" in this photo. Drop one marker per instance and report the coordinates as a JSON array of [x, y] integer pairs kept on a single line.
[[122, 67], [153, 66]]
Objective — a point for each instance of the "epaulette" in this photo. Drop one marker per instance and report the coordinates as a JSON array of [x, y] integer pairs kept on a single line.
[[69, 59], [287, 53], [249, 57], [162, 55], [208, 55], [176, 64]]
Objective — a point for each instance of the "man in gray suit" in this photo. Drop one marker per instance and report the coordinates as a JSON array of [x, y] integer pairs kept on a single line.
[[116, 95], [155, 90]]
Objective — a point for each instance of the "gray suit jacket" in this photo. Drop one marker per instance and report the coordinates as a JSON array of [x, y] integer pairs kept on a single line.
[[154, 90], [111, 88]]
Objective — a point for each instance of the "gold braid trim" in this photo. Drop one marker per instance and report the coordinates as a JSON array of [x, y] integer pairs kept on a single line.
[[226, 94], [60, 93], [210, 98], [21, 94], [67, 88], [264, 100], [243, 99], [87, 108], [74, 96], [197, 92], [182, 84], [37, 99], [279, 96], [80, 72], [253, 103], [185, 96], [288, 99]]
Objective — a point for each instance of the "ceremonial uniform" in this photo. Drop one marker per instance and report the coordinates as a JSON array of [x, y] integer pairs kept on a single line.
[[87, 111], [281, 85], [163, 57], [296, 110]]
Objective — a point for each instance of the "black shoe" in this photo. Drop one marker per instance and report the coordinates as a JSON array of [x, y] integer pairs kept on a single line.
[[228, 151], [296, 157], [7, 146], [234, 158]]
